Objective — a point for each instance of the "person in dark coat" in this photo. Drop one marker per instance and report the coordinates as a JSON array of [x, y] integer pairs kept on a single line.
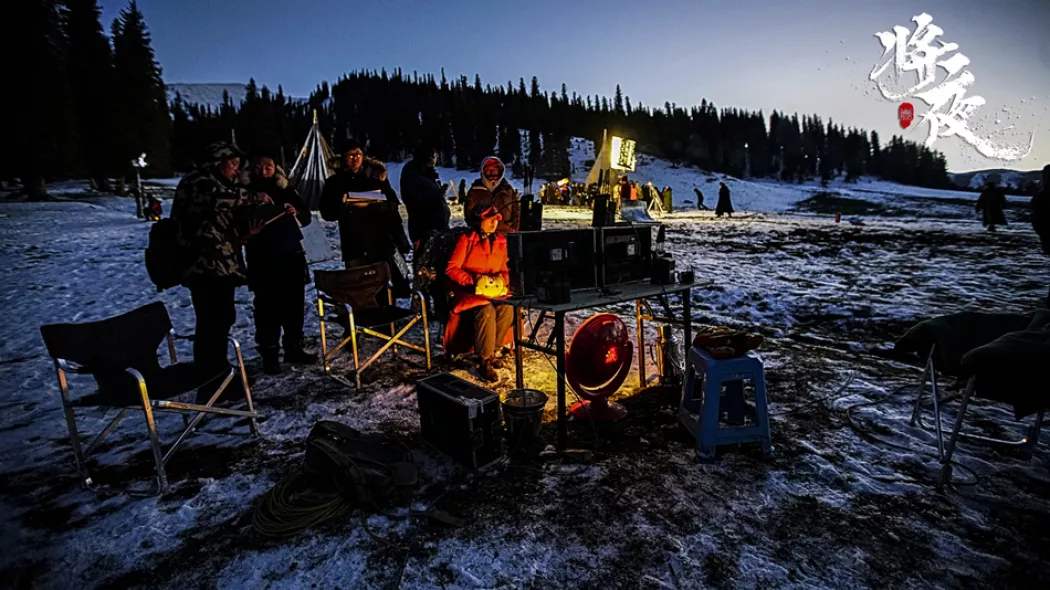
[[370, 231], [462, 191], [204, 207], [667, 199], [725, 205], [493, 189], [424, 196], [1041, 216], [700, 206], [990, 205], [277, 268]]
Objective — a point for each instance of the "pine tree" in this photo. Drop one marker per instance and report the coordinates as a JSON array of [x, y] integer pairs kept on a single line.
[[144, 120], [91, 82], [618, 102], [39, 132]]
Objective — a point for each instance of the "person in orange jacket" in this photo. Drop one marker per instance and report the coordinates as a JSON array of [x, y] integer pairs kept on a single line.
[[477, 273]]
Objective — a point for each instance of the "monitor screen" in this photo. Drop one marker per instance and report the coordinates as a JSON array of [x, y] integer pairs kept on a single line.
[[625, 252], [560, 254]]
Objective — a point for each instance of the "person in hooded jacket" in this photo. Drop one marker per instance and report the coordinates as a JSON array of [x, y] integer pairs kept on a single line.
[[1041, 216], [370, 231], [493, 189], [477, 273], [204, 207], [725, 204], [277, 267], [990, 205], [424, 196]]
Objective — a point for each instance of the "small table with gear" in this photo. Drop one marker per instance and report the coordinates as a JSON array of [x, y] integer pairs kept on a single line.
[[639, 293]]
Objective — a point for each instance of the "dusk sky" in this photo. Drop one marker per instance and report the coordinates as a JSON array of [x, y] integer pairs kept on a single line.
[[809, 56]]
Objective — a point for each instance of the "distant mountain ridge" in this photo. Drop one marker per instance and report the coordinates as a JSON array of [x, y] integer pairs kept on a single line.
[[1001, 176]]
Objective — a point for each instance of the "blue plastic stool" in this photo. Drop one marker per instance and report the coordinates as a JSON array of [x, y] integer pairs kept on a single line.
[[701, 415]]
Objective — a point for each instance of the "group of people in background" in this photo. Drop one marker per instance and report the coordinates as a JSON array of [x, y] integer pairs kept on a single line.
[[224, 211], [241, 224]]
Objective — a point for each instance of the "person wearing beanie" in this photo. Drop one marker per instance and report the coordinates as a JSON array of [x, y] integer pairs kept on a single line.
[[493, 189], [205, 204], [477, 273]]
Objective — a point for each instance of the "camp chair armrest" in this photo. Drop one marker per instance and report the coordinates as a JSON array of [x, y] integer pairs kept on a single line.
[[326, 299], [140, 379], [181, 336], [71, 367]]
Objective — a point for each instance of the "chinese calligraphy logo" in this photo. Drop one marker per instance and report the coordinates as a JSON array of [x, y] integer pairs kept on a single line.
[[921, 52]]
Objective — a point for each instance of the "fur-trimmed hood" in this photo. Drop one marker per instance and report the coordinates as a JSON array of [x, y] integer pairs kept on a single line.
[[248, 174], [370, 167]]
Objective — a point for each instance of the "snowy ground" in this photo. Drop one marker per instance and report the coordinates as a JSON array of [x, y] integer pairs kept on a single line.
[[845, 502]]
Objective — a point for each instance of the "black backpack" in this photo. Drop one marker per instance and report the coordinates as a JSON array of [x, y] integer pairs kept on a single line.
[[367, 471], [166, 259]]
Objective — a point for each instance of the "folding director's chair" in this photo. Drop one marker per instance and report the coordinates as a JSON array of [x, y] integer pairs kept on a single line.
[[997, 385], [364, 296], [120, 353]]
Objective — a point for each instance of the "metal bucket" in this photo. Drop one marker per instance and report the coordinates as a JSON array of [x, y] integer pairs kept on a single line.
[[523, 412]]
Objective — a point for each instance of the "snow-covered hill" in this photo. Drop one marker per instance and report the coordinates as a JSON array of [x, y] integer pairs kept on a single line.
[[1002, 177], [207, 94]]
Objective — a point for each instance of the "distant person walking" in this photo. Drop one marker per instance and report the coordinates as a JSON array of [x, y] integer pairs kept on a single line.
[[668, 201], [725, 205], [462, 191], [1041, 217], [990, 205], [700, 206]]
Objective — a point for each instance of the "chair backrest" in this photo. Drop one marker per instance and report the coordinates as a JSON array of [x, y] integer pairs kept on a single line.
[[129, 340], [357, 287]]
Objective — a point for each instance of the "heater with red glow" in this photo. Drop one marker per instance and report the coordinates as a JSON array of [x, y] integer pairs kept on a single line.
[[596, 365]]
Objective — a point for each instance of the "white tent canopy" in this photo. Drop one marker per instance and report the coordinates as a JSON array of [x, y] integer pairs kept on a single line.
[[308, 176], [311, 167]]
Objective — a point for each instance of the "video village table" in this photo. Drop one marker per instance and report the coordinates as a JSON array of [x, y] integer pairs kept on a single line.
[[555, 346]]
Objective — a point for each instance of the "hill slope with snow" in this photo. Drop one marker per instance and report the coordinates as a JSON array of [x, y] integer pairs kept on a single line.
[[977, 179], [207, 94]]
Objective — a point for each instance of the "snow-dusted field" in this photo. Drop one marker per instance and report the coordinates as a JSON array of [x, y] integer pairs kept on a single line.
[[845, 502]]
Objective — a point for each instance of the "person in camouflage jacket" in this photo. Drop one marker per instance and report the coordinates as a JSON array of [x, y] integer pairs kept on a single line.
[[204, 206]]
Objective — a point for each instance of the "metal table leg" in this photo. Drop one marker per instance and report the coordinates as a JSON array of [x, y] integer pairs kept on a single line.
[[687, 319], [563, 423], [641, 343], [519, 377]]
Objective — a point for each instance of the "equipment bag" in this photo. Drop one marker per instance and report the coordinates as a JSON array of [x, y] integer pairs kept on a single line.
[[368, 471], [166, 259]]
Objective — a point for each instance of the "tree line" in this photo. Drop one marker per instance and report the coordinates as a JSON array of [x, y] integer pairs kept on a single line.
[[86, 104], [93, 103]]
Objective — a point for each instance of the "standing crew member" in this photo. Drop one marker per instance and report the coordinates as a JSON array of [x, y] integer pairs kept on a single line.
[[277, 268], [493, 189], [204, 206], [424, 196], [370, 231]]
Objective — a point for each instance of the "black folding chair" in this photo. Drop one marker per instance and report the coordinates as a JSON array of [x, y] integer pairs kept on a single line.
[[365, 296], [948, 339], [121, 354]]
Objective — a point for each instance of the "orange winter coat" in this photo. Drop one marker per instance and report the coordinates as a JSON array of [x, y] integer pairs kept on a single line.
[[473, 257]]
